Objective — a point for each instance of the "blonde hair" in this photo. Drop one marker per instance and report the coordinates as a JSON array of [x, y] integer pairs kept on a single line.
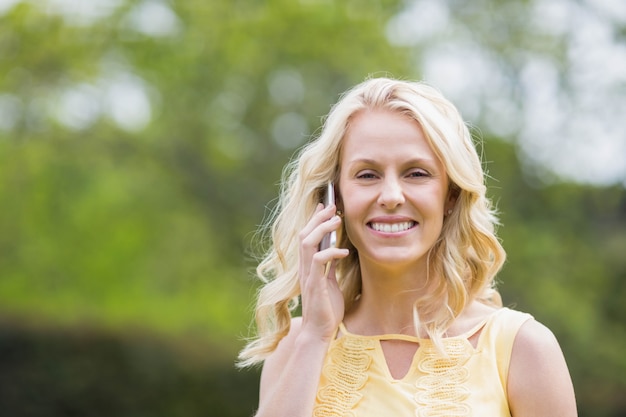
[[465, 259]]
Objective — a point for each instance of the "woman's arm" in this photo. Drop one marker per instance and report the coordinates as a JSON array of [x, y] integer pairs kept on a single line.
[[292, 372], [291, 375], [539, 382]]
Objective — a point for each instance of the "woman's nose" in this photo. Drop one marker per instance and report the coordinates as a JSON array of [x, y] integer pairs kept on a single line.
[[391, 193]]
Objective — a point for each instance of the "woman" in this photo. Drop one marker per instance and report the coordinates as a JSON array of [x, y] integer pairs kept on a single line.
[[401, 318]]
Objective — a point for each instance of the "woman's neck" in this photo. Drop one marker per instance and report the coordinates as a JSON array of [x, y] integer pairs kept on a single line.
[[387, 299]]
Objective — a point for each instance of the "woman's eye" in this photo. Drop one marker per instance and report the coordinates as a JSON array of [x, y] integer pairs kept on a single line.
[[418, 173], [366, 175]]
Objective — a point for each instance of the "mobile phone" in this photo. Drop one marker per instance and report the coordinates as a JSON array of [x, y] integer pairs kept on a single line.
[[330, 239]]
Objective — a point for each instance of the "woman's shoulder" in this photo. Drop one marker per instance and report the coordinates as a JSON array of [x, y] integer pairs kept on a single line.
[[534, 341], [534, 332], [539, 382]]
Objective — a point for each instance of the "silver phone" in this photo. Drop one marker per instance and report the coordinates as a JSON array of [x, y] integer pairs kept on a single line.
[[330, 239]]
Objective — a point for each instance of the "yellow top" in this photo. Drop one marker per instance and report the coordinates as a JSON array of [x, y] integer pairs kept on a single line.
[[470, 381]]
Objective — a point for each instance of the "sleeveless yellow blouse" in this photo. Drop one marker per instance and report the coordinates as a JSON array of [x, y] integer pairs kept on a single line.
[[470, 381]]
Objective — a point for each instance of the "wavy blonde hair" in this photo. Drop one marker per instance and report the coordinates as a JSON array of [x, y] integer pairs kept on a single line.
[[463, 261]]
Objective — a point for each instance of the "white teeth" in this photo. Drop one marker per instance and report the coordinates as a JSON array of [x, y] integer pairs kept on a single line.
[[392, 228]]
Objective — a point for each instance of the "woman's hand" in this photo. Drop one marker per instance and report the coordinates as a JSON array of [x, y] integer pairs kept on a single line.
[[322, 300]]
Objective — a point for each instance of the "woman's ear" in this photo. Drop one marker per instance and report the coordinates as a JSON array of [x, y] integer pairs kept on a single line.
[[453, 196]]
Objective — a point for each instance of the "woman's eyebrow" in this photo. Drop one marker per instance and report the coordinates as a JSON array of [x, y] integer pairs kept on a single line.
[[371, 161], [419, 161], [363, 161]]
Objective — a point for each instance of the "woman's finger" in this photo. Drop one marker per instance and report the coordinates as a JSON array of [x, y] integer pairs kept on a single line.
[[321, 215], [323, 221], [320, 261]]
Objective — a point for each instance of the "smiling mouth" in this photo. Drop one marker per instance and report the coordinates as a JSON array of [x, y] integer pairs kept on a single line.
[[392, 227]]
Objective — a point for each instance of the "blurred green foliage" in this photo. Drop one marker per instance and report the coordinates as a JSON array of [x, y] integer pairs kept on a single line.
[[85, 372], [140, 148]]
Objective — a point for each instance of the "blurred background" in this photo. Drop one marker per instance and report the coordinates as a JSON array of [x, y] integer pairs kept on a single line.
[[141, 143]]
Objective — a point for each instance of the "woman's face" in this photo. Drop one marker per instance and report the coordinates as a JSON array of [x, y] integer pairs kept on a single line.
[[394, 189]]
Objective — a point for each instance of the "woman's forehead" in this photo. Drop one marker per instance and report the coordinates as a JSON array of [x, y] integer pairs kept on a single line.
[[374, 135]]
